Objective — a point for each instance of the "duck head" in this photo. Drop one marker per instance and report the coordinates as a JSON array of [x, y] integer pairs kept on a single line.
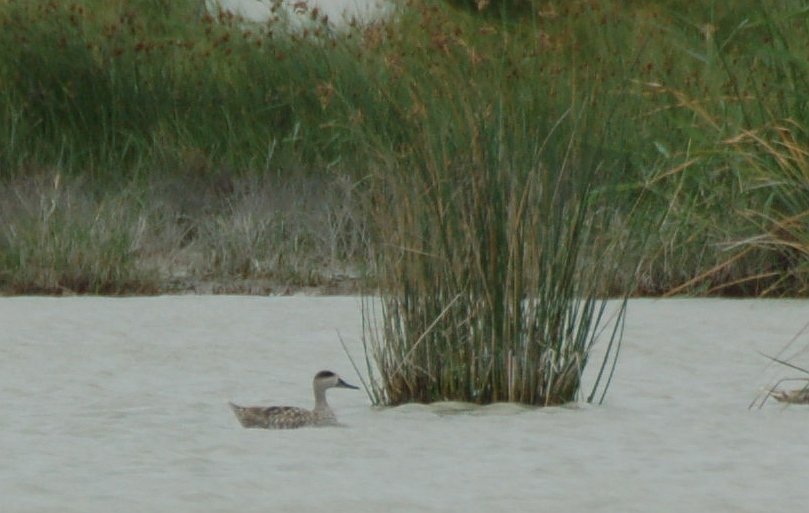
[[328, 379]]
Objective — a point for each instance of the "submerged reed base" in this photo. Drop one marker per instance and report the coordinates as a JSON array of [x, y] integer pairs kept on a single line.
[[799, 396]]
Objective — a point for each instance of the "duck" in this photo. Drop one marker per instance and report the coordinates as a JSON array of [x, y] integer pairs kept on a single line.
[[291, 417]]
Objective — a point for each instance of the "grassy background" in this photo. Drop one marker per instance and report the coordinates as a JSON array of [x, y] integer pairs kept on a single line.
[[147, 147]]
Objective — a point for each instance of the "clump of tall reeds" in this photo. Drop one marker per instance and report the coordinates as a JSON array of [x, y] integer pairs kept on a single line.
[[486, 294], [489, 259], [484, 298]]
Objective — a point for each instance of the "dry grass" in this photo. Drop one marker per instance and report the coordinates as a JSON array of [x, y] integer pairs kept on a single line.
[[252, 236], [57, 239]]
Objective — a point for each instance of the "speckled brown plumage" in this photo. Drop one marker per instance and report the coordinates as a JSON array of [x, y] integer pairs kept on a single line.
[[290, 417], [278, 417]]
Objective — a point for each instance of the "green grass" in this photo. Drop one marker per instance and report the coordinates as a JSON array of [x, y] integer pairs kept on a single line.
[[691, 120]]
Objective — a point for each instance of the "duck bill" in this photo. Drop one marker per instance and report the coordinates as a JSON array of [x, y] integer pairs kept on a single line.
[[343, 384]]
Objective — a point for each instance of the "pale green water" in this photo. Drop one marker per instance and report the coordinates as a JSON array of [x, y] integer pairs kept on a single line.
[[120, 405]]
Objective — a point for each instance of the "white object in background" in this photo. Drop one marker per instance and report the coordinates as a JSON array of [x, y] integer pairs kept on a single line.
[[341, 14]]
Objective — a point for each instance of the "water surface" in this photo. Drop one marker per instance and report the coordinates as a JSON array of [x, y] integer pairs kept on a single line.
[[120, 405]]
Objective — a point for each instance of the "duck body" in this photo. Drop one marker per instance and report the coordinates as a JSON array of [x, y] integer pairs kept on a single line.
[[292, 417], [281, 417]]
